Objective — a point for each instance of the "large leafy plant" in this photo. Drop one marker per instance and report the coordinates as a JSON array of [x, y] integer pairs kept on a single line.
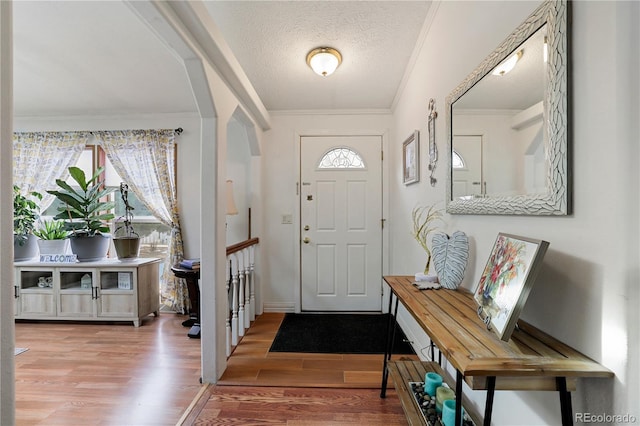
[[25, 213], [84, 210]]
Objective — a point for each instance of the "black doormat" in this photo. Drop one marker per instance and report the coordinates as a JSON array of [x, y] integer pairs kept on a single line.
[[337, 334]]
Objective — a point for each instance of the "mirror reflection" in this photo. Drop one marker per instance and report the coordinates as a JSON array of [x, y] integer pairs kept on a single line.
[[511, 128], [498, 132]]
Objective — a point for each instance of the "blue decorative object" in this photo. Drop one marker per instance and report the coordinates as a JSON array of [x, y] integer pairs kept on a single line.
[[432, 381], [450, 256], [449, 412]]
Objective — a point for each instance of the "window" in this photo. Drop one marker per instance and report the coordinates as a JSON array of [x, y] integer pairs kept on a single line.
[[341, 158], [154, 235], [456, 161]]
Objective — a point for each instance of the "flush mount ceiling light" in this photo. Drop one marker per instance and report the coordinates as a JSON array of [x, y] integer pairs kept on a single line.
[[324, 60], [509, 64]]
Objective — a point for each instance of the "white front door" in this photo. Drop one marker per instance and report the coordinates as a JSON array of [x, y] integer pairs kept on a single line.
[[341, 223]]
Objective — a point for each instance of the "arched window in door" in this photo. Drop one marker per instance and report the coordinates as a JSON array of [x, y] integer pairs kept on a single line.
[[341, 158], [457, 162]]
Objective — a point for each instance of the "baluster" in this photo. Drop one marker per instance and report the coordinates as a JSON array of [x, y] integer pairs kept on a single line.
[[252, 288], [227, 307], [241, 324], [247, 291], [234, 304]]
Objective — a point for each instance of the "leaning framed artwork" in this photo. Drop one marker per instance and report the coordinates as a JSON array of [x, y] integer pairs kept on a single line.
[[506, 281], [411, 159]]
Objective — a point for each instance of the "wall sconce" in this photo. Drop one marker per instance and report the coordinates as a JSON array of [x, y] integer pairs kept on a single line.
[[509, 64], [324, 60], [231, 204]]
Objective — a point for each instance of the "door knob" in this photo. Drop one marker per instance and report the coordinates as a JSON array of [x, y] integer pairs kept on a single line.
[[306, 240]]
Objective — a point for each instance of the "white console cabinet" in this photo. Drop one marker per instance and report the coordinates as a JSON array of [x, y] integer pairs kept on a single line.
[[108, 290]]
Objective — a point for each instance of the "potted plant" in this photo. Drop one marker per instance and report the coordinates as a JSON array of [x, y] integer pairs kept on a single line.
[[25, 213], [127, 243], [53, 237], [84, 214]]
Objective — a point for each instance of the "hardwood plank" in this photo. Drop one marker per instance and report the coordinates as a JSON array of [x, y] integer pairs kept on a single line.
[[257, 368], [276, 382], [105, 373], [311, 378], [362, 378], [299, 406]]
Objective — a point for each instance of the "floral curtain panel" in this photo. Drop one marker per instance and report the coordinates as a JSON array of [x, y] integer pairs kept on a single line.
[[145, 159], [39, 158]]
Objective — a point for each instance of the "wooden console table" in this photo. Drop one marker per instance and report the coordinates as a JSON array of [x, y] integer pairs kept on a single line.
[[531, 360]]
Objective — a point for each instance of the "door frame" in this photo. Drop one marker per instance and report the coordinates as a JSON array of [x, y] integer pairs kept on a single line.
[[297, 241]]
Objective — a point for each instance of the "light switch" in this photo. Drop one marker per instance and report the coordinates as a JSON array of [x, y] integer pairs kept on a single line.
[[287, 219]]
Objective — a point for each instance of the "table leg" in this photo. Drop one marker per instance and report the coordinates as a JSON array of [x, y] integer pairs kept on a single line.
[[391, 332], [432, 350], [194, 296], [488, 407], [565, 401], [459, 379]]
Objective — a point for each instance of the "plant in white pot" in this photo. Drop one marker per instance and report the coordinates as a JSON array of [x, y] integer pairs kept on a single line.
[[85, 212], [26, 212], [53, 237], [125, 239]]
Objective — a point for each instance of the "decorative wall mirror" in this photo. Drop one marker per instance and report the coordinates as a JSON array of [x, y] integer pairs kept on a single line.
[[507, 131]]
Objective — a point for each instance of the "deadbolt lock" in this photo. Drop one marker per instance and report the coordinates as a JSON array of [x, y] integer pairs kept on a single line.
[[306, 227]]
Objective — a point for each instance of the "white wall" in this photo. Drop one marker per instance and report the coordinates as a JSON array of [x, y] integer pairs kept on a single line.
[[280, 274], [587, 292]]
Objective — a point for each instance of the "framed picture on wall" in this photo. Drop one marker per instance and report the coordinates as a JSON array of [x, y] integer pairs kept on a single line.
[[411, 159], [506, 281]]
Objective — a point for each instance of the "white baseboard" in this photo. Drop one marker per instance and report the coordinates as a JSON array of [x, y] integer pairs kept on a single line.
[[278, 307]]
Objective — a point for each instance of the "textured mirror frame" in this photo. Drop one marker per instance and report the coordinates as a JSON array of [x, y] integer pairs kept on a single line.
[[557, 200]]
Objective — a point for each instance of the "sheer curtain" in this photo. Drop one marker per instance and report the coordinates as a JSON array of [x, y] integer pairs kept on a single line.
[[145, 159], [39, 158]]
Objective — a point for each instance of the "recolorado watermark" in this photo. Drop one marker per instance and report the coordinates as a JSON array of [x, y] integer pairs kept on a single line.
[[605, 418]]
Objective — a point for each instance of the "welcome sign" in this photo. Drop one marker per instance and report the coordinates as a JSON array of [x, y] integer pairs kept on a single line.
[[58, 258]]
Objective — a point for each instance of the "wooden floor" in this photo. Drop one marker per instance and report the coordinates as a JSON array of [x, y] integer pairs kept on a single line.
[[106, 374], [116, 374], [260, 387]]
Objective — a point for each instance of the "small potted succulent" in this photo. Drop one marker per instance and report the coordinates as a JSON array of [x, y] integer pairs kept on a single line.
[[125, 240], [26, 212], [53, 238], [85, 213]]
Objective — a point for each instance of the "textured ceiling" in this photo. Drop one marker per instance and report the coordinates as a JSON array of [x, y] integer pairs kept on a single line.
[[271, 39], [97, 58]]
